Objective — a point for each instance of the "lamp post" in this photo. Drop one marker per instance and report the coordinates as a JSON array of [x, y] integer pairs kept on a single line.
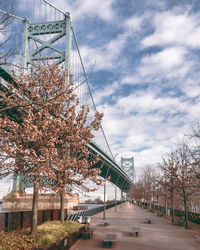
[[104, 201]]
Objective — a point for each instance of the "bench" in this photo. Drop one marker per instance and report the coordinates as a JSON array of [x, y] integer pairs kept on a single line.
[[86, 227], [88, 234], [109, 240], [181, 221], [106, 222], [86, 220], [136, 231], [148, 220]]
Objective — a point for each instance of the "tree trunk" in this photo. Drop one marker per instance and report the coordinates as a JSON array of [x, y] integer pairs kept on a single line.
[[165, 202], [62, 205], [186, 210], [34, 210], [153, 203], [158, 212], [172, 202]]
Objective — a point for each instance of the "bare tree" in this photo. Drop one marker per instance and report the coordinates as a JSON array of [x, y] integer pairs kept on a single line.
[[185, 176], [138, 191], [149, 191], [169, 168], [194, 150], [164, 183], [158, 181]]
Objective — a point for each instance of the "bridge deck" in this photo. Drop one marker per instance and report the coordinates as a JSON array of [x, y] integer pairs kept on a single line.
[[161, 234]]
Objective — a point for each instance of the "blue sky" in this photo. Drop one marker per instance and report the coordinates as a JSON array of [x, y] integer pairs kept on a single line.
[[144, 57]]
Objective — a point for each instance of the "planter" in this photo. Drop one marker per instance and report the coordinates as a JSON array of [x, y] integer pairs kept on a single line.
[[64, 243]]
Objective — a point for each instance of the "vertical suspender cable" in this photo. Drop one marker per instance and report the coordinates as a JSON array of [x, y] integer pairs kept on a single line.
[[89, 88]]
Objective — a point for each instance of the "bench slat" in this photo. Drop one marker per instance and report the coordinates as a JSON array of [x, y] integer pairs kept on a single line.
[[110, 237]]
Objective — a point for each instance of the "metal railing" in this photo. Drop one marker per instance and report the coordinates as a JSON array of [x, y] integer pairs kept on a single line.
[[91, 211], [193, 217]]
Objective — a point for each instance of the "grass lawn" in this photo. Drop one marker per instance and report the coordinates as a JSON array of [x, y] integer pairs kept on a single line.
[[47, 233]]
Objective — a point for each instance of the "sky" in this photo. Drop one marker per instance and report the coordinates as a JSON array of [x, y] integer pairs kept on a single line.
[[146, 73], [143, 57]]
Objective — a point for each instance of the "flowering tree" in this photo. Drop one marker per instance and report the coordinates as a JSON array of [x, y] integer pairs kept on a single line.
[[43, 134]]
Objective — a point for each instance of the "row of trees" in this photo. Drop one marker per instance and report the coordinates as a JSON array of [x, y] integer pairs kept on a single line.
[[175, 181], [44, 133]]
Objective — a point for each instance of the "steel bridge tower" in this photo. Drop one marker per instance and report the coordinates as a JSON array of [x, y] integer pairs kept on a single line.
[[127, 164], [45, 36]]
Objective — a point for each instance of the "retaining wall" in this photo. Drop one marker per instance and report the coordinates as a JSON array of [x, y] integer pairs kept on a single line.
[[19, 220]]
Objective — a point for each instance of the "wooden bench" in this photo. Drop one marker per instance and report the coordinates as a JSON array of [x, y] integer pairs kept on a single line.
[[136, 231], [106, 222], [109, 240]]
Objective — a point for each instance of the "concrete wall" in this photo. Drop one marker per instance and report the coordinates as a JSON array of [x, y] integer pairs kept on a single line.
[[16, 201]]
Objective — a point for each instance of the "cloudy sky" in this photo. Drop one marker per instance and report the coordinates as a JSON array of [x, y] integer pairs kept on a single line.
[[146, 73], [144, 58]]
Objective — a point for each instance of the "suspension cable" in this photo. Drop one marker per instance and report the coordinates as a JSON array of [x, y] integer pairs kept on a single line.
[[11, 15], [47, 2], [94, 105]]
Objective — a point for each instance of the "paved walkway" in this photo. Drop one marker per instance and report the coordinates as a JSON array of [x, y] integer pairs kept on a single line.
[[161, 234]]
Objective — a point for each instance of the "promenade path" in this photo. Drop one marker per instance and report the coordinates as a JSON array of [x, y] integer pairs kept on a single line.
[[159, 235]]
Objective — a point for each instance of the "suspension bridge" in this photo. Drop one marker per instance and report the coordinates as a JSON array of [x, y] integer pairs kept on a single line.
[[40, 32]]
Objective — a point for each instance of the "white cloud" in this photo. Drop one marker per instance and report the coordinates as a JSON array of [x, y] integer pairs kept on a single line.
[[106, 91], [168, 63], [130, 79], [172, 28], [134, 23], [104, 57], [167, 58], [80, 9], [145, 125]]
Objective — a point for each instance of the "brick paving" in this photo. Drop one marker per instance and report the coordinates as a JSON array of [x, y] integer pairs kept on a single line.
[[158, 235]]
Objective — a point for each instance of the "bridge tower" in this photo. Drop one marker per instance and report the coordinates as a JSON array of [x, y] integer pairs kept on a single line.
[[47, 38], [127, 164]]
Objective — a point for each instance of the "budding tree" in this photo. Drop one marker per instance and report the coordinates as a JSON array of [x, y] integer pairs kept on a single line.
[[43, 134]]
